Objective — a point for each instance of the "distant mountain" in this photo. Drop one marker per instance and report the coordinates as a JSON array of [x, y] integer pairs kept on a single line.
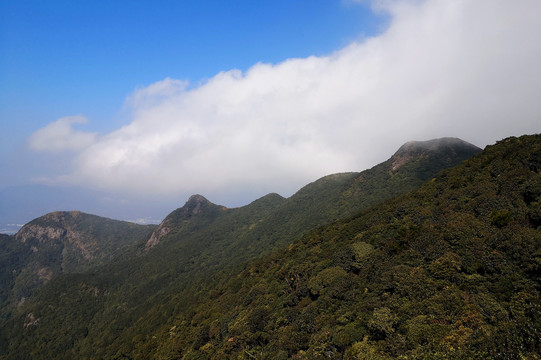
[[63, 242], [22, 204], [194, 243]]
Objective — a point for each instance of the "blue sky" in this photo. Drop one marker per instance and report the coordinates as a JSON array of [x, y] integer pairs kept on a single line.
[[83, 57], [140, 103]]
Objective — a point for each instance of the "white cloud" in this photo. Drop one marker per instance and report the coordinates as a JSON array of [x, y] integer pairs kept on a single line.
[[60, 136], [443, 68], [153, 94]]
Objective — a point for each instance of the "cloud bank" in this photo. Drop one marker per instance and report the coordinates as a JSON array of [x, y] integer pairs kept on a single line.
[[442, 68], [60, 136]]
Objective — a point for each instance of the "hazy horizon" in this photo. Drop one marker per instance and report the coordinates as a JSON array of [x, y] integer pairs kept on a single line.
[[126, 110]]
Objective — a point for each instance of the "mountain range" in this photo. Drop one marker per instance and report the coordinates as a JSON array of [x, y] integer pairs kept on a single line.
[[398, 260]]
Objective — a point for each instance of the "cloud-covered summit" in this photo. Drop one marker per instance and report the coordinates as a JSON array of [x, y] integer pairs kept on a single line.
[[442, 68]]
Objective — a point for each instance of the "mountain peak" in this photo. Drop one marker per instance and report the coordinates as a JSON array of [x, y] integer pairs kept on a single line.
[[446, 150], [68, 242], [196, 206], [196, 203], [51, 226], [436, 144]]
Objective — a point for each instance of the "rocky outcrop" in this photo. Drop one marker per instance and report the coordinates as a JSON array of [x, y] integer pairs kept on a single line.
[[57, 229], [30, 320], [45, 274], [156, 236], [40, 233], [196, 206]]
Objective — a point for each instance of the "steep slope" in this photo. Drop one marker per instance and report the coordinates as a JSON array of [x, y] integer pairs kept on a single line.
[[194, 243], [449, 271], [13, 255], [201, 238], [329, 198], [198, 209], [342, 195], [63, 242]]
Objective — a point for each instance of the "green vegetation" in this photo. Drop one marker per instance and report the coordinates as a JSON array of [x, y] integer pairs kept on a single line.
[[212, 238], [450, 271], [12, 255], [194, 291], [60, 242], [85, 240]]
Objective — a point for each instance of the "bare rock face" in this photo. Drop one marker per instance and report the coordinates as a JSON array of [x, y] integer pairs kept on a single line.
[[45, 274], [56, 229], [195, 204], [54, 243], [40, 233], [65, 242], [30, 320], [156, 236], [399, 160]]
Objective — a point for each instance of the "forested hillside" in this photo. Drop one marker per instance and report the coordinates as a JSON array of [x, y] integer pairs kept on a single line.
[[114, 311], [450, 271], [201, 237], [13, 255], [60, 242]]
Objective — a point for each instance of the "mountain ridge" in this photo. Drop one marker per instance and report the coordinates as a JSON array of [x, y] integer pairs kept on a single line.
[[450, 270], [447, 271], [203, 239], [424, 158]]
